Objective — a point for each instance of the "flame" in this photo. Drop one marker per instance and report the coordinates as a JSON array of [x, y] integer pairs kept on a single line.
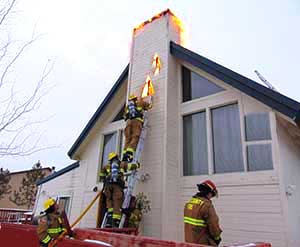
[[156, 64], [148, 89], [141, 26], [176, 21], [182, 30]]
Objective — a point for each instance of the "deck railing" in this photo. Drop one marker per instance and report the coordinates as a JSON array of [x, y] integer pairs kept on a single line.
[[11, 215]]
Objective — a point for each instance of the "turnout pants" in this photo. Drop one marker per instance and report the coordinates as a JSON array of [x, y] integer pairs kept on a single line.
[[132, 134], [114, 199]]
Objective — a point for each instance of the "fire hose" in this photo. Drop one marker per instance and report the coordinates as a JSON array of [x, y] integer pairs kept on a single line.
[[54, 242]]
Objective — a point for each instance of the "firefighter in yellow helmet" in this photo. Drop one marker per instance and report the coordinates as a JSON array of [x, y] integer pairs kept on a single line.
[[112, 176], [51, 223], [134, 117], [201, 223]]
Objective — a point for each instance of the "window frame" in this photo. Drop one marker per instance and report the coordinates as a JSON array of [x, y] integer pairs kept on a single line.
[[211, 128], [227, 97], [260, 142], [117, 126], [206, 104], [182, 121], [183, 67], [69, 202], [63, 195]]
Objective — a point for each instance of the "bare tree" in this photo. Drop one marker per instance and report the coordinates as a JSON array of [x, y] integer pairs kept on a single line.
[[4, 182], [25, 196], [18, 135]]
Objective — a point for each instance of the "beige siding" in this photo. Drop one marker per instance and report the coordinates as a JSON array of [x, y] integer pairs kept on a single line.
[[79, 182], [252, 205], [249, 205], [64, 185], [90, 156], [153, 39], [171, 169], [290, 157]]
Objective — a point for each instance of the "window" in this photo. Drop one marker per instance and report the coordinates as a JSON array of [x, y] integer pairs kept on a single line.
[[195, 144], [227, 142], [109, 145], [112, 143], [64, 203], [195, 86], [257, 129], [259, 157], [119, 116]]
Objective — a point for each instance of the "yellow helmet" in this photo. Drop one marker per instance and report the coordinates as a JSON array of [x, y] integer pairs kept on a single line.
[[112, 155], [132, 97], [48, 203]]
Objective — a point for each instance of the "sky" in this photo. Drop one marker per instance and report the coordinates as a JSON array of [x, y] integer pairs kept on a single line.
[[88, 41]]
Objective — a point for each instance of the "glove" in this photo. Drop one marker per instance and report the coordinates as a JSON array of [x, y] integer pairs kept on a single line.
[[133, 166]]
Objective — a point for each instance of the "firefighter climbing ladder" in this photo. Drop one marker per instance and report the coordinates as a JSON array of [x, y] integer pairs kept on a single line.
[[133, 174], [148, 90]]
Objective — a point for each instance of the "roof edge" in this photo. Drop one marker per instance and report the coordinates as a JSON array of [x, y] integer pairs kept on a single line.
[[58, 173], [91, 123], [273, 99], [26, 171]]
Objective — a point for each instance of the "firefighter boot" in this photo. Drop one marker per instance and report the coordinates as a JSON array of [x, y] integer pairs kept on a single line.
[[109, 220]]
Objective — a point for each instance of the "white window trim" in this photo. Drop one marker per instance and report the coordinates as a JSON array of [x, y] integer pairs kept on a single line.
[[118, 127], [227, 97], [204, 74], [271, 141], [63, 194], [70, 203]]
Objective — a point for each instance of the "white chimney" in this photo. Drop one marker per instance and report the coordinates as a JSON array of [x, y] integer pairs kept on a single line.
[[160, 158]]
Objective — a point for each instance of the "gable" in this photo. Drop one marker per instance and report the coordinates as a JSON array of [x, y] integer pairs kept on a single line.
[[275, 100], [92, 122]]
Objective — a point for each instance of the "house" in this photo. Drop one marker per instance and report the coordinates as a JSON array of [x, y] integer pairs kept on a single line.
[[207, 122], [15, 183]]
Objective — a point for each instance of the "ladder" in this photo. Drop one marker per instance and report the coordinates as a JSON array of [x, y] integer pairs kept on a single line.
[[133, 177]]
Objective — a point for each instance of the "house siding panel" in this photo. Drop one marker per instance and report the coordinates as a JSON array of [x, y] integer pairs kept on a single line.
[[64, 185], [249, 205], [155, 39], [290, 158]]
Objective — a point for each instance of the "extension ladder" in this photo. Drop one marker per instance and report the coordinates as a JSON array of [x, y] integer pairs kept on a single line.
[[134, 174]]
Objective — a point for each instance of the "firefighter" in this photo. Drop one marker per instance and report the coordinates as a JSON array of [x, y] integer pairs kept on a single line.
[[51, 223], [134, 117], [201, 223], [112, 175]]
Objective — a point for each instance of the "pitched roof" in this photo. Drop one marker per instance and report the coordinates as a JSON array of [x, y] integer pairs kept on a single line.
[[273, 99], [27, 171], [58, 173], [99, 111]]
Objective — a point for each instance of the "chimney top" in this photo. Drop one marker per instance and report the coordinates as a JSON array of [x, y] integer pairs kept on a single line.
[[157, 16]]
